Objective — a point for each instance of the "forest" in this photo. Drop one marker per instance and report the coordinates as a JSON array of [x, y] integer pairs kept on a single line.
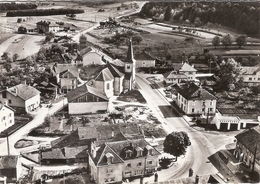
[[15, 6], [241, 16], [43, 12]]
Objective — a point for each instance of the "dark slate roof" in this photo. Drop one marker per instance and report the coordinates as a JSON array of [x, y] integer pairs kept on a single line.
[[66, 153], [121, 147], [83, 90], [130, 54], [250, 138], [23, 91], [144, 56], [115, 72], [8, 161], [191, 91]]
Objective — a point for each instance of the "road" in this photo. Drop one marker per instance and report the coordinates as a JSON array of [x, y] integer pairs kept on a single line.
[[203, 144], [40, 114]]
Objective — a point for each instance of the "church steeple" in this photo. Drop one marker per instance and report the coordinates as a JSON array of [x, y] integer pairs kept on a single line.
[[130, 53]]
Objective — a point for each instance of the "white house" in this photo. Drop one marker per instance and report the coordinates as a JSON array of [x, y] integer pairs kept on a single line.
[[22, 97], [251, 74], [6, 117]]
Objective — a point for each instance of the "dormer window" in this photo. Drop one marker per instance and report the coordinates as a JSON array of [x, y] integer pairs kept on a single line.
[[128, 153], [149, 150], [128, 66], [109, 157], [139, 152]]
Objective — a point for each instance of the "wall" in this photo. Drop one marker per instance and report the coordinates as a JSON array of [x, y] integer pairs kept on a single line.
[[32, 103], [9, 120], [116, 173], [252, 79], [68, 83], [118, 85], [109, 91], [92, 58], [15, 100], [90, 107]]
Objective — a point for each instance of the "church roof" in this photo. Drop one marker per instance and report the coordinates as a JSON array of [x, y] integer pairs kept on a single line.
[[105, 75], [130, 54]]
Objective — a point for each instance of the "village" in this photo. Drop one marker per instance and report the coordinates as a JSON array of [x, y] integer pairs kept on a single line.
[[102, 99]]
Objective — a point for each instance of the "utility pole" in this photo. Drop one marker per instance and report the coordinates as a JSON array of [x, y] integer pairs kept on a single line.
[[207, 119], [7, 141]]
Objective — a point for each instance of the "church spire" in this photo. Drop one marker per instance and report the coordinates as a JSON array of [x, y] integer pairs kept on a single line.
[[130, 53]]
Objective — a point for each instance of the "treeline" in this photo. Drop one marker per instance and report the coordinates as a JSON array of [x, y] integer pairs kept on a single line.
[[43, 12], [243, 17], [15, 6]]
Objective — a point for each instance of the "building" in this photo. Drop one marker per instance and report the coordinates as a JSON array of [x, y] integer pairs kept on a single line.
[[65, 155], [10, 167], [251, 75], [86, 99], [144, 60], [114, 161], [227, 122], [21, 97], [248, 147], [46, 27], [181, 72], [67, 76], [194, 100], [6, 117]]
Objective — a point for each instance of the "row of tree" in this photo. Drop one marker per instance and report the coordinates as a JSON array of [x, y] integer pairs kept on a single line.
[[244, 17], [43, 12], [227, 41], [16, 6]]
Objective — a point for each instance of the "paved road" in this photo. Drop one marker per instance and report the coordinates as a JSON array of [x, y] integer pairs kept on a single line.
[[40, 114], [203, 144]]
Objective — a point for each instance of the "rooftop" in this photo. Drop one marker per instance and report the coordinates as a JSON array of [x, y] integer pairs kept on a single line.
[[23, 91], [8, 161]]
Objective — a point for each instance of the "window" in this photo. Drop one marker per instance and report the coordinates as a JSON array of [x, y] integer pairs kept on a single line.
[[128, 173], [250, 78], [192, 110], [10, 101], [4, 94], [4, 118], [128, 66], [211, 109], [10, 121], [128, 165], [139, 164], [203, 103], [10, 115], [258, 78], [203, 109], [107, 86], [149, 162], [138, 172], [109, 171], [211, 102], [190, 73]]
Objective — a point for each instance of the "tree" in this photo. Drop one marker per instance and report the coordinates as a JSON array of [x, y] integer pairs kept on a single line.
[[15, 57], [256, 90], [7, 66], [168, 13], [5, 55], [229, 74], [72, 179], [176, 143], [216, 41], [226, 40], [241, 40]]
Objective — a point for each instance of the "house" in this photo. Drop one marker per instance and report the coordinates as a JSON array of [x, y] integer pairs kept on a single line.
[[194, 100], [114, 161], [67, 76], [248, 147], [6, 117], [10, 167], [251, 75], [87, 99], [181, 72], [144, 60], [65, 155], [46, 26], [21, 97]]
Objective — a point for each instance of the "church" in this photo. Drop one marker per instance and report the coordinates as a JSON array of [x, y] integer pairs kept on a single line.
[[111, 79], [116, 76]]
